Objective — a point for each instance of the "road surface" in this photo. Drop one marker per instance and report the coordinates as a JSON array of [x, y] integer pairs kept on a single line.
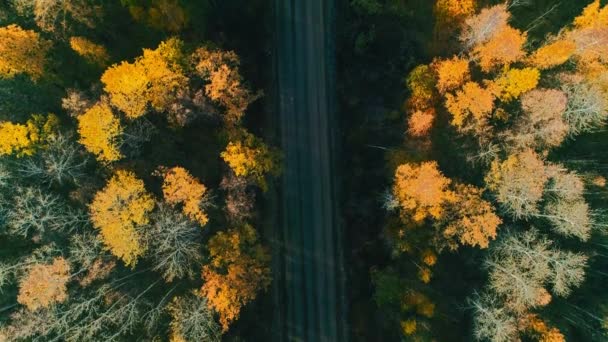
[[309, 281]]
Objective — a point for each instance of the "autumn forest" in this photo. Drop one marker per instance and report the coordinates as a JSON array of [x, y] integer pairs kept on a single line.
[[338, 170]]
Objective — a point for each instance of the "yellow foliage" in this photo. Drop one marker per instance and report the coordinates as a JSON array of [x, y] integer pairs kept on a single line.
[[504, 48], [153, 79], [424, 274], [449, 15], [251, 158], [422, 190], [22, 51], [99, 132], [179, 187], [472, 100], [238, 270], [408, 326], [225, 87], [544, 333], [593, 16], [552, 55], [45, 285], [25, 139], [451, 73], [166, 15], [514, 82], [93, 53], [117, 211]]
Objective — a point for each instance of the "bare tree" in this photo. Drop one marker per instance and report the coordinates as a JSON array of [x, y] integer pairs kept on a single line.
[[193, 320], [30, 211], [60, 163], [493, 321], [175, 241], [587, 108]]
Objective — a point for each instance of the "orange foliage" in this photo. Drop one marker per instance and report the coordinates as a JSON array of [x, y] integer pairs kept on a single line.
[[552, 55], [22, 51], [99, 132], [225, 87], [153, 79], [238, 270], [504, 48], [449, 15], [451, 73], [179, 187], [593, 16], [421, 84], [472, 100], [473, 220], [421, 122], [118, 210], [422, 190], [539, 328], [45, 285]]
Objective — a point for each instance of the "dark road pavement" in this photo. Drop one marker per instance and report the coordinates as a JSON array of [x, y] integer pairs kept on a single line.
[[309, 274]]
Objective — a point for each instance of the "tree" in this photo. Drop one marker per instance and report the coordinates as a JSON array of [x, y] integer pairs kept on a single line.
[[44, 285], [180, 188], [240, 200], [165, 15], [152, 80], [220, 69], [25, 139], [100, 132], [60, 16], [422, 191], [175, 242], [553, 54], [60, 163], [449, 15], [451, 73], [238, 270], [420, 122], [22, 51], [523, 264], [32, 213], [504, 48], [470, 220], [250, 158], [515, 82], [192, 319], [493, 321], [481, 28], [118, 211], [471, 107], [518, 183], [91, 52], [587, 107], [541, 124]]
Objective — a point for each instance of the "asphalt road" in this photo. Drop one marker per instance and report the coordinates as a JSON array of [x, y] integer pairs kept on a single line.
[[309, 281]]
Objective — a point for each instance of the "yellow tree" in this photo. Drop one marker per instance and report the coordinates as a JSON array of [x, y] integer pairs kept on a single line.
[[118, 211], [514, 82], [152, 80], [225, 83], [25, 139], [100, 132], [91, 52], [422, 191], [22, 51], [251, 158], [44, 285], [449, 15], [238, 269], [180, 187]]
